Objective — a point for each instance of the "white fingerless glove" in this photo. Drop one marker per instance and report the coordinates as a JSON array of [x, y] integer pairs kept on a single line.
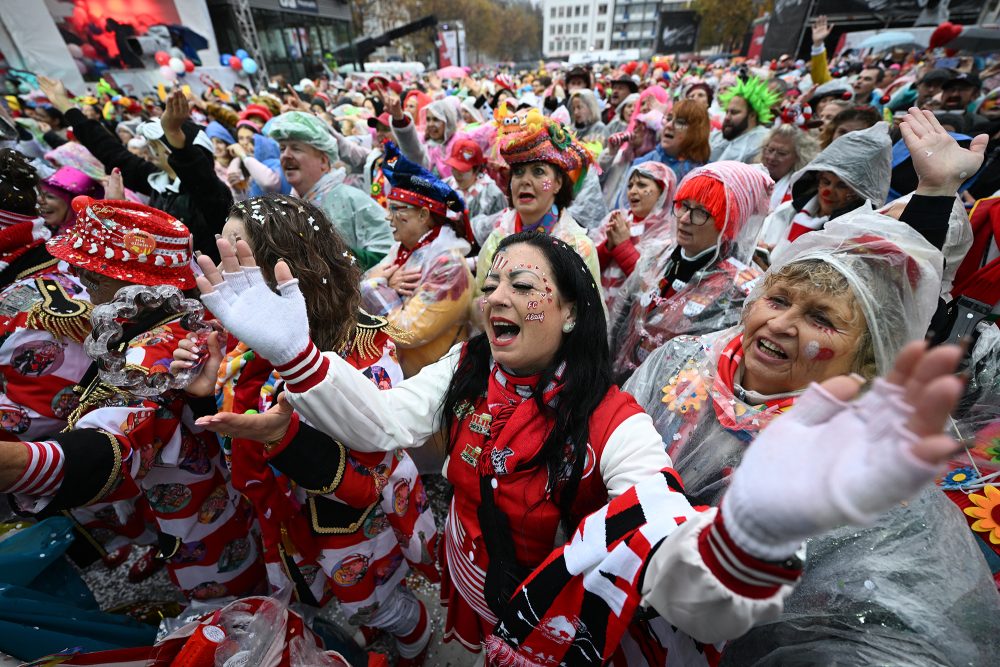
[[275, 326], [822, 465]]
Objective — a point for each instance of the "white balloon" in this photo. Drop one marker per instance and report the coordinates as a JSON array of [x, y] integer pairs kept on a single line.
[[177, 65]]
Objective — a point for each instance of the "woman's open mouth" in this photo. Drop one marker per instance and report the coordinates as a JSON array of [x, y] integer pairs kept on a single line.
[[504, 331], [771, 349]]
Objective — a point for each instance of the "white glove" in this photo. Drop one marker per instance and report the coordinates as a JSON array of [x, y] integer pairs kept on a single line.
[[275, 326], [822, 465]]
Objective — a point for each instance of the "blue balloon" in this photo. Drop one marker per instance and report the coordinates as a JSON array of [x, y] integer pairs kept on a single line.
[[224, 59], [250, 66], [242, 54]]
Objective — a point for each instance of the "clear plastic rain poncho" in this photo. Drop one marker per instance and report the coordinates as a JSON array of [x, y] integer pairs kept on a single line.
[[435, 314], [703, 414], [657, 230], [911, 590], [862, 159], [648, 313]]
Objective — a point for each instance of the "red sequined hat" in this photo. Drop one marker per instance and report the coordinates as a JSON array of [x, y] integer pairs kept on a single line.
[[127, 241]]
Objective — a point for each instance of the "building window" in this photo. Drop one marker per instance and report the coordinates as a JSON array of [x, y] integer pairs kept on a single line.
[[601, 27], [562, 11], [598, 43], [577, 8], [552, 13], [602, 10], [586, 10]]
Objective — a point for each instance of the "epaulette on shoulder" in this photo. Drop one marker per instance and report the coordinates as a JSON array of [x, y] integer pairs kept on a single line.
[[59, 313], [367, 330]]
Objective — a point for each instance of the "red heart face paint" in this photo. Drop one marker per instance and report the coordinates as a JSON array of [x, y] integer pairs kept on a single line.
[[816, 352]]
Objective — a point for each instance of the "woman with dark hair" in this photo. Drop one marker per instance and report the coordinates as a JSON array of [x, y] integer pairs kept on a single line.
[[335, 523], [850, 119], [683, 140], [539, 436], [547, 166]]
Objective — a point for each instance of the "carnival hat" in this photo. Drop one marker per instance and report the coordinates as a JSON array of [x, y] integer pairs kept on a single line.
[[414, 185], [71, 182], [541, 139], [127, 241], [465, 155], [258, 110]]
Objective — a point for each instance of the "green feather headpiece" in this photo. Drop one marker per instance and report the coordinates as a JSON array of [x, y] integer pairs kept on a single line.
[[757, 96]]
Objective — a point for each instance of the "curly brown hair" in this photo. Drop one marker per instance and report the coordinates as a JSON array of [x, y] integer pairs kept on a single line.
[[280, 227], [18, 180]]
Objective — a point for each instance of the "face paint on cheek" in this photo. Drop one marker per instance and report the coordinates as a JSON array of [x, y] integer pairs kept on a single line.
[[532, 305], [534, 317], [547, 185], [482, 304], [814, 352]]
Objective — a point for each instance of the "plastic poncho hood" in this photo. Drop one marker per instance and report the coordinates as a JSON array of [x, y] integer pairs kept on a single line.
[[444, 111], [893, 272], [304, 127], [862, 159]]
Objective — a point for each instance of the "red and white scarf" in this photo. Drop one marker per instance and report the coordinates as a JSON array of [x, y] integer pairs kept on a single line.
[[19, 234]]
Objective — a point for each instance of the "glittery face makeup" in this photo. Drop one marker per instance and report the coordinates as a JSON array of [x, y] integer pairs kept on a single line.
[[796, 334], [522, 310], [547, 185]]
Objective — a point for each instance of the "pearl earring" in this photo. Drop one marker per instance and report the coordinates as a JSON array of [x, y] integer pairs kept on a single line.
[[568, 326]]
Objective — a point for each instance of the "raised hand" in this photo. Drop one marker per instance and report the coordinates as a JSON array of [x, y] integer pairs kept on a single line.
[[831, 461], [821, 30], [177, 111], [55, 91], [114, 188], [274, 325], [618, 229], [395, 107], [941, 164]]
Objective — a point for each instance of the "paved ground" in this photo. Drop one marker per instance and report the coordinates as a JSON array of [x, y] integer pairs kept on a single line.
[[112, 589]]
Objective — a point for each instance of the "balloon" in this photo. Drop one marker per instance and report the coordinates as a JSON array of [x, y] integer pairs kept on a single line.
[[242, 54], [162, 58], [177, 65], [225, 58], [80, 65], [177, 53], [101, 66], [167, 73], [250, 66], [188, 65], [75, 50], [236, 63], [89, 50]]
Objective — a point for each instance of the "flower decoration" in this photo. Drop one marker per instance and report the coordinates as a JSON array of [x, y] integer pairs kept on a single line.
[[560, 137], [685, 391], [986, 512], [958, 478]]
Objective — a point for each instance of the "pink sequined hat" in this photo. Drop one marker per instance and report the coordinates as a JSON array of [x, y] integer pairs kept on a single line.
[[71, 182]]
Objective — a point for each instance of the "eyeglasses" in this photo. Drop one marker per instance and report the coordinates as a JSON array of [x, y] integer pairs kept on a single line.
[[696, 216], [395, 211], [679, 123], [774, 152]]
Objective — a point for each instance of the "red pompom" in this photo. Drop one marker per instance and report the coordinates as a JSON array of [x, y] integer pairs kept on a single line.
[[943, 34]]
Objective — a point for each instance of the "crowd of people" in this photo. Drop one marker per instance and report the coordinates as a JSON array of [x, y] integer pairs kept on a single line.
[[238, 327]]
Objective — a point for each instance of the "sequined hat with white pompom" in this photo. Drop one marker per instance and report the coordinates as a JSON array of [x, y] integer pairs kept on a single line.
[[127, 241]]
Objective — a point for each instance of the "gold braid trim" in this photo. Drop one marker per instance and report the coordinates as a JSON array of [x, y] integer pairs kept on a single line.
[[93, 395], [337, 478], [346, 530], [34, 269], [71, 320], [363, 341], [115, 471]]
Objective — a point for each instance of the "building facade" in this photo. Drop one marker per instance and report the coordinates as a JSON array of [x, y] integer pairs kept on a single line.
[[574, 26]]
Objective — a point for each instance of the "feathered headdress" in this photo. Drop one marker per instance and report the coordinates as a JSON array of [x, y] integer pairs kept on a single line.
[[414, 185], [757, 96]]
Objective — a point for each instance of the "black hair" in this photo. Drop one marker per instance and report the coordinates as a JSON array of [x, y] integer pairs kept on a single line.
[[586, 378], [18, 180]]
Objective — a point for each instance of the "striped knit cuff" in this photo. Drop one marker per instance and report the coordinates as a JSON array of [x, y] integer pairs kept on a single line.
[[44, 473], [305, 371], [739, 571]]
